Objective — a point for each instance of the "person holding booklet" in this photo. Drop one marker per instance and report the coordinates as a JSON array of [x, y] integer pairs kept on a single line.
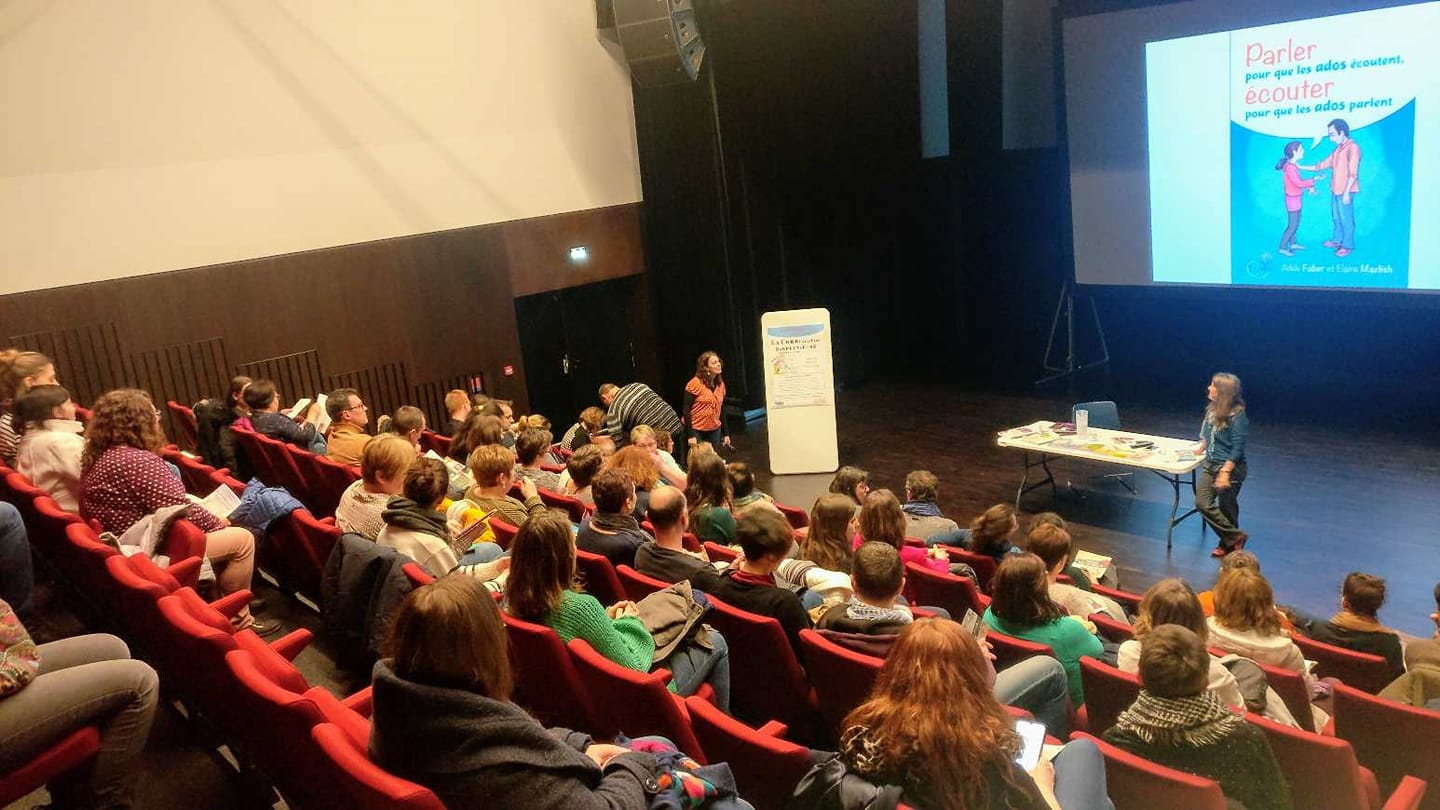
[[346, 438], [932, 727], [124, 480], [265, 417]]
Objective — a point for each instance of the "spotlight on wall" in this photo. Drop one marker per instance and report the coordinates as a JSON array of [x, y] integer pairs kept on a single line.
[[579, 253]]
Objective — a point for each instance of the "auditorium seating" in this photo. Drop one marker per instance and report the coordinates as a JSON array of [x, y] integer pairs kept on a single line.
[[637, 585], [417, 574], [1294, 691], [546, 682], [1368, 673], [797, 518], [72, 752], [1127, 600], [574, 509], [719, 553], [504, 532], [1108, 692], [1011, 650], [1139, 783], [1112, 630], [186, 428], [766, 682], [1323, 772], [1391, 739], [636, 704], [842, 679], [984, 565], [766, 766], [597, 576], [363, 784], [297, 547], [935, 589]]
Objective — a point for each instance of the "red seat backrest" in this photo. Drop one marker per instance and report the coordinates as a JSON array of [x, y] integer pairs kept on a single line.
[[934, 589], [1112, 630], [719, 553], [1363, 671], [1135, 782], [1127, 600], [300, 545], [842, 679], [573, 508], [185, 424], [984, 565], [504, 532], [636, 704], [1011, 650], [546, 683], [1322, 771], [366, 785], [598, 577], [769, 683], [1108, 692], [1390, 738], [417, 575], [49, 522], [1292, 689], [766, 767], [794, 515], [182, 541], [638, 585]]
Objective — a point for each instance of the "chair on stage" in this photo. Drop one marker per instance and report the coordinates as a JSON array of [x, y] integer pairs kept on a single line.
[[1104, 415]]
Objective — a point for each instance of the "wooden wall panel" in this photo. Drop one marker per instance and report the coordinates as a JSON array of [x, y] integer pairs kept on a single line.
[[436, 307], [430, 396], [539, 249], [383, 388]]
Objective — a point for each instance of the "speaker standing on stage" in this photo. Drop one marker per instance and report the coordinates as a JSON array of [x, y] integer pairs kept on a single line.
[[705, 403], [1222, 442]]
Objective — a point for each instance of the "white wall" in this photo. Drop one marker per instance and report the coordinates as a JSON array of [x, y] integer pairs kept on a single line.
[[141, 136]]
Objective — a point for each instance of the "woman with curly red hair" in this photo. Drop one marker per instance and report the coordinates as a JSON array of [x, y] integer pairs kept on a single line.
[[123, 480], [933, 727]]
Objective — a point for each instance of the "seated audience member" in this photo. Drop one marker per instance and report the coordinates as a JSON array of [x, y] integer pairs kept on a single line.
[[416, 528], [1021, 607], [214, 439], [642, 469], [923, 519], [124, 480], [932, 726], [457, 407], [1054, 548], [50, 443], [479, 429], [551, 457], [829, 543], [871, 621], [612, 532], [492, 467], [666, 558], [346, 439], [1426, 652], [853, 483], [1357, 626], [743, 494], [881, 520], [17, 568], [1420, 685], [19, 372], [709, 499], [582, 467], [502, 410], [383, 465], [443, 717], [991, 532], [1179, 723], [531, 447], [1246, 623], [1170, 601], [408, 423], [1075, 572], [636, 404], [1234, 561], [264, 403], [542, 589], [645, 438], [765, 539], [578, 435], [49, 691]]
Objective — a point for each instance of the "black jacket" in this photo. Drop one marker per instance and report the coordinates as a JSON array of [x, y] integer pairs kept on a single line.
[[473, 751]]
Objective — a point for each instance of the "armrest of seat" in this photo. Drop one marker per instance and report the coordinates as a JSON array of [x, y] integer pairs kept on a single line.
[[361, 702], [186, 571], [232, 604], [292, 643], [329, 521], [775, 729], [1408, 794]]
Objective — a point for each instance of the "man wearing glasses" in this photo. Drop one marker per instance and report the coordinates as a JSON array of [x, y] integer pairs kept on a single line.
[[348, 417]]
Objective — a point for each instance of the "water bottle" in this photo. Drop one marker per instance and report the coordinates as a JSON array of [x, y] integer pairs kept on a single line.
[[1082, 424]]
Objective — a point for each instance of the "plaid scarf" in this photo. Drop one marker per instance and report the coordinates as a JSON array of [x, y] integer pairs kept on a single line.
[[860, 611], [1191, 722]]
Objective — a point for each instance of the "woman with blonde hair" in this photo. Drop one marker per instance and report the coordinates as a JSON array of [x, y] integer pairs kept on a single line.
[[641, 466], [123, 480], [1246, 623], [933, 727], [383, 464], [19, 372], [1223, 433]]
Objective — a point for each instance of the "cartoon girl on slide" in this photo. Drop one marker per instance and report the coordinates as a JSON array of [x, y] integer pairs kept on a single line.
[[1294, 186]]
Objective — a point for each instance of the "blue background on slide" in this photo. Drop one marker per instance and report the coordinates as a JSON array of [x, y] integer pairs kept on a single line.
[[1382, 207]]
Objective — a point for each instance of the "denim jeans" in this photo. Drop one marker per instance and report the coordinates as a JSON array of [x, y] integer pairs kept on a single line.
[[691, 666], [84, 680], [960, 538], [1080, 777], [1037, 685], [17, 570], [1343, 215], [482, 553]]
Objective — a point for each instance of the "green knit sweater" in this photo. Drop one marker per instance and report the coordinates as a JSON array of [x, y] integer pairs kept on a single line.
[[624, 641]]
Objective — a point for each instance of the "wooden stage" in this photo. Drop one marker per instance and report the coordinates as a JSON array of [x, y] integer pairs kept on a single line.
[[1317, 504]]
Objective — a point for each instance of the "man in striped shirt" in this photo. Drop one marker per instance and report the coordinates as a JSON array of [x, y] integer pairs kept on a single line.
[[636, 404]]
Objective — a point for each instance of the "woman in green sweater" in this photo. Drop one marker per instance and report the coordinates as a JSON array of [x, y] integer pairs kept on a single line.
[[542, 589], [709, 497], [1021, 607]]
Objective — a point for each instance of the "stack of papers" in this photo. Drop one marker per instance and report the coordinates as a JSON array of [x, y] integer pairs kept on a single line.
[[219, 503], [1094, 565]]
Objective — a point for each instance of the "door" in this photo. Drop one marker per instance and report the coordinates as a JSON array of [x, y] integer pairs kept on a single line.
[[572, 341], [541, 322]]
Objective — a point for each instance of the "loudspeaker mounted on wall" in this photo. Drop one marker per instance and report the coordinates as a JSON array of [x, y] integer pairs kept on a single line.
[[660, 38]]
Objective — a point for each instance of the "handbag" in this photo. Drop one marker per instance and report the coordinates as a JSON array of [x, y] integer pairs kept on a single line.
[[831, 786]]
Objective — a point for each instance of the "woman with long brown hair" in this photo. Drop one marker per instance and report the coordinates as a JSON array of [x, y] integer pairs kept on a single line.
[[990, 533], [828, 543], [1021, 606], [1222, 442], [708, 495], [123, 480], [882, 520], [932, 726], [704, 407]]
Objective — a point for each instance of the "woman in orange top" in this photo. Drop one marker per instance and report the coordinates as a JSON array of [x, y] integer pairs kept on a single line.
[[705, 403]]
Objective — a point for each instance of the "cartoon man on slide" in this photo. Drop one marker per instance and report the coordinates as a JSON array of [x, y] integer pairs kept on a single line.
[[1344, 163]]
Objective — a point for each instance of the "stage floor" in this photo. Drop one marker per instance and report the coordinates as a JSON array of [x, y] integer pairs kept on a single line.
[[1317, 504]]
